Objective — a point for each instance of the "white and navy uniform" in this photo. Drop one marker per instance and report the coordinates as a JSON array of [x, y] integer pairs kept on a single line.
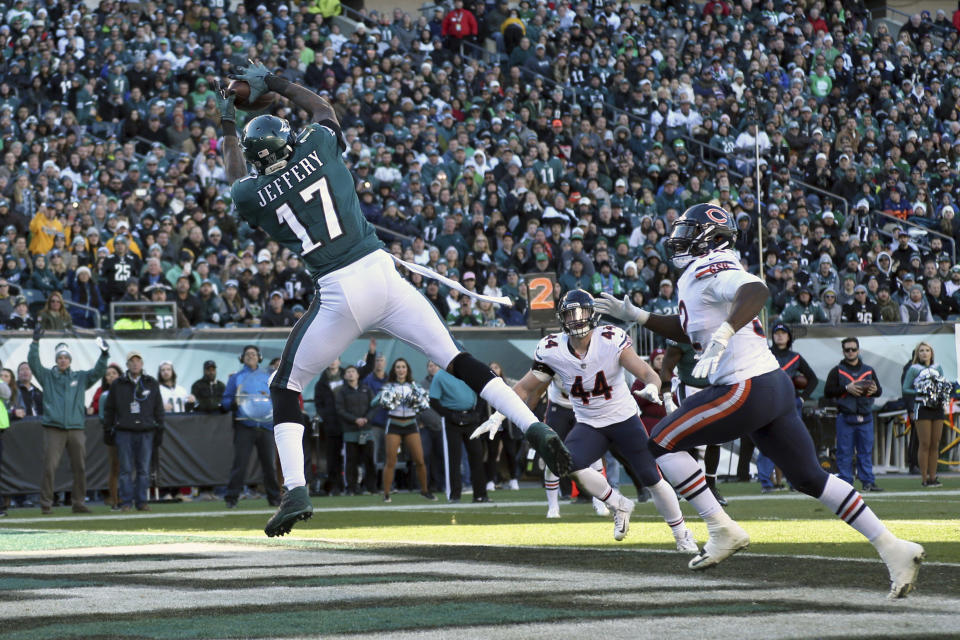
[[606, 413], [595, 384], [748, 394]]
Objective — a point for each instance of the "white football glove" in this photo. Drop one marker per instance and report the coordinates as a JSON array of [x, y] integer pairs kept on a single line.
[[490, 427], [708, 360], [622, 309], [102, 345], [668, 403], [650, 393]]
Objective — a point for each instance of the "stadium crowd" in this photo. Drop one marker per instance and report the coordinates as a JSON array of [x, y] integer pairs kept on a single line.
[[593, 128]]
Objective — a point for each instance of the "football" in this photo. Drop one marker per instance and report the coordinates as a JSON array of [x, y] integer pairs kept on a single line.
[[242, 90], [800, 381]]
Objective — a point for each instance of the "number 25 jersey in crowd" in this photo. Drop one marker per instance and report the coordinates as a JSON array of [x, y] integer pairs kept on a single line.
[[310, 206], [706, 290], [595, 385]]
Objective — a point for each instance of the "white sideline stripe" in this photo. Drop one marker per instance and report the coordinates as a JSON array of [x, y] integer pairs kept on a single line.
[[211, 537], [413, 507]]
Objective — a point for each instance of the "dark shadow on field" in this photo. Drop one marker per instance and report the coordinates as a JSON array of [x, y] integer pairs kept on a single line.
[[774, 571]]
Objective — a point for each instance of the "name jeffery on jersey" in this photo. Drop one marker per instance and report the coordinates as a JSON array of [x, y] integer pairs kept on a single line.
[[595, 384], [706, 290]]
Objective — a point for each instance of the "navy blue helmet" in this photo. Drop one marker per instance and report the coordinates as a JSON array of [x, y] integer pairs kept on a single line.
[[701, 229], [576, 313]]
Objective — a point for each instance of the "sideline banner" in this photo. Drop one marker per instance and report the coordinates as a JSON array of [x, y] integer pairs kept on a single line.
[[197, 450]]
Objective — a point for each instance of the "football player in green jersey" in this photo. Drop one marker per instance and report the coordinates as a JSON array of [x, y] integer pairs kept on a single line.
[[683, 356], [303, 195]]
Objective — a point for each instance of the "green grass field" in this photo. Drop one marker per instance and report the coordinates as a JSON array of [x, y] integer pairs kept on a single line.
[[417, 569]]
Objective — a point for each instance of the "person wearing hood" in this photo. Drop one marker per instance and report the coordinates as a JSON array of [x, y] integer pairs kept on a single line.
[[915, 308], [830, 306], [803, 310], [825, 276], [861, 309], [746, 242], [884, 264]]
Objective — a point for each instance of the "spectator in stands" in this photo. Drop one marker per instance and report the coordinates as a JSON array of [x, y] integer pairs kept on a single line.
[[854, 385], [63, 418], [134, 416], [831, 308], [887, 306], [915, 308], [942, 307], [804, 310], [20, 319], [208, 391], [276, 314], [861, 310], [54, 315]]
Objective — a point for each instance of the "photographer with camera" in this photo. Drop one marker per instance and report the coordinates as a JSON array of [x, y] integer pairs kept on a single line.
[[854, 385]]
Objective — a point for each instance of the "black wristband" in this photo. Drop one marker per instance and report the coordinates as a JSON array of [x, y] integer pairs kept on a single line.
[[229, 128], [276, 83]]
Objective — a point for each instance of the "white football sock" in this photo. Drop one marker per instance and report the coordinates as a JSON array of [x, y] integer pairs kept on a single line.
[[686, 476], [846, 502], [552, 484], [665, 500], [289, 439], [596, 485], [507, 402], [597, 465]]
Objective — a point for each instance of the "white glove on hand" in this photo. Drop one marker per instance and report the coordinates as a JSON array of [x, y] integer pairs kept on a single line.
[[490, 427], [708, 360], [102, 345], [622, 309], [668, 403], [650, 393]]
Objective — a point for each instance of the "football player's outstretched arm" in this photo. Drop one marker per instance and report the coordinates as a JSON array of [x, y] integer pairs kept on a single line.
[[667, 326], [234, 164], [529, 388], [633, 363], [260, 80]]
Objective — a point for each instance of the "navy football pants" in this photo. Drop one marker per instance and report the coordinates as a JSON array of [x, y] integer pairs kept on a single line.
[[762, 407]]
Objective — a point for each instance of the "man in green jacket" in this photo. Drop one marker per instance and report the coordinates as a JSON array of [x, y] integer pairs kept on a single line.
[[63, 417]]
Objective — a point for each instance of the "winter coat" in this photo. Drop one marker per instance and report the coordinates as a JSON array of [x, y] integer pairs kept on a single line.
[[63, 397]]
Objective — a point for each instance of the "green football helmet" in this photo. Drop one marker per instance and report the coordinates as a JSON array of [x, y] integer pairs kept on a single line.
[[267, 142]]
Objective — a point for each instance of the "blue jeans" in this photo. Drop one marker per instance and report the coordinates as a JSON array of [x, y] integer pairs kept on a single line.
[[853, 436], [134, 449]]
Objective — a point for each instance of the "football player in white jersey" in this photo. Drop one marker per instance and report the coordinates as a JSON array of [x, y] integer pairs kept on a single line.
[[589, 360], [749, 394]]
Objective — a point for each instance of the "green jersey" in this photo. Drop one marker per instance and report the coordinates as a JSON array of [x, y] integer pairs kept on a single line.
[[686, 364], [311, 205], [549, 171]]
